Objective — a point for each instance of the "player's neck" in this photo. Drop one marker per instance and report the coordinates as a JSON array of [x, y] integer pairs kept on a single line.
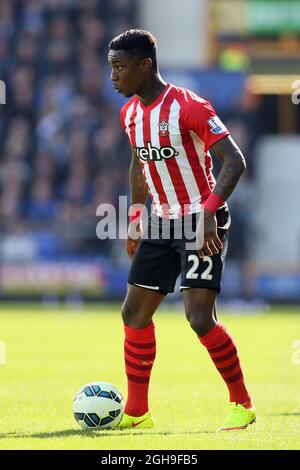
[[152, 89]]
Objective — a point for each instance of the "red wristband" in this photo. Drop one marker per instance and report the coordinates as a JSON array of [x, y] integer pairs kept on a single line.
[[134, 215], [213, 202]]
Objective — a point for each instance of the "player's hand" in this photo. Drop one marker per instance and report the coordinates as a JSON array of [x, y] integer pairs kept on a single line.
[[211, 242], [133, 238], [131, 246]]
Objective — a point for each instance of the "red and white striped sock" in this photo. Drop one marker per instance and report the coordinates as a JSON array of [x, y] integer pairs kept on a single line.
[[140, 350], [223, 353]]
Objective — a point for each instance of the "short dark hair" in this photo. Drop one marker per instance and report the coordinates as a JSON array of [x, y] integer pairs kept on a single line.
[[136, 42]]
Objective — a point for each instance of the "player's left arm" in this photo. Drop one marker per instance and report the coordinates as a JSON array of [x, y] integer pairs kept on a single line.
[[200, 117], [233, 166]]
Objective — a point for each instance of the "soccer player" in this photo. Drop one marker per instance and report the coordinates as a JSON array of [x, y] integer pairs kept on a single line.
[[172, 131]]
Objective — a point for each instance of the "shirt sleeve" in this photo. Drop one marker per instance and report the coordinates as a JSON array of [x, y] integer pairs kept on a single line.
[[202, 119]]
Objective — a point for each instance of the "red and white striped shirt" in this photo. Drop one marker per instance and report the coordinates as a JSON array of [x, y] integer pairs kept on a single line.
[[172, 137]]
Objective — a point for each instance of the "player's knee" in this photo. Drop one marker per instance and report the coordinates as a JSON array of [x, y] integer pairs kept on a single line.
[[128, 313], [133, 316], [201, 320]]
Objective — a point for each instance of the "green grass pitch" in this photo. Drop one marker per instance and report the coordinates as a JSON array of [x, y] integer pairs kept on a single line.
[[50, 354]]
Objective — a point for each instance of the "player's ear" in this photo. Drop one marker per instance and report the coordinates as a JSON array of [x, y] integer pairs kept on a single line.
[[146, 65]]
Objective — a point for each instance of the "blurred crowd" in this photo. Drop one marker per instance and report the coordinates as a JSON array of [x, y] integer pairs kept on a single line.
[[60, 138], [62, 152]]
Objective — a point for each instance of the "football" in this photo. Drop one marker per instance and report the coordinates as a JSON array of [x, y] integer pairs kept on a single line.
[[98, 405]]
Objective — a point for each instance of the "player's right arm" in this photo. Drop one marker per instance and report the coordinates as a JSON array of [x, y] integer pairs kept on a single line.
[[138, 196]]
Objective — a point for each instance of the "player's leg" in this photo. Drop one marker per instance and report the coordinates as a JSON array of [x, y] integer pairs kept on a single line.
[[155, 267], [200, 311], [139, 350], [201, 280], [199, 305]]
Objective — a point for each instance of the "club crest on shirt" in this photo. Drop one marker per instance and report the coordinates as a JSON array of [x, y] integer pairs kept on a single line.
[[163, 127]]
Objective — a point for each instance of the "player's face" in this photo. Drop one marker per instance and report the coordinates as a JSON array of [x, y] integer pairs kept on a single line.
[[126, 73]]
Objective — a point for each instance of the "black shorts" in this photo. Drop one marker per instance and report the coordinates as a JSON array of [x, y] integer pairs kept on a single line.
[[159, 259]]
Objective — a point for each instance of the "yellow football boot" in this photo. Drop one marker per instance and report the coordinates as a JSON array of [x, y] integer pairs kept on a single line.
[[140, 422], [238, 417]]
